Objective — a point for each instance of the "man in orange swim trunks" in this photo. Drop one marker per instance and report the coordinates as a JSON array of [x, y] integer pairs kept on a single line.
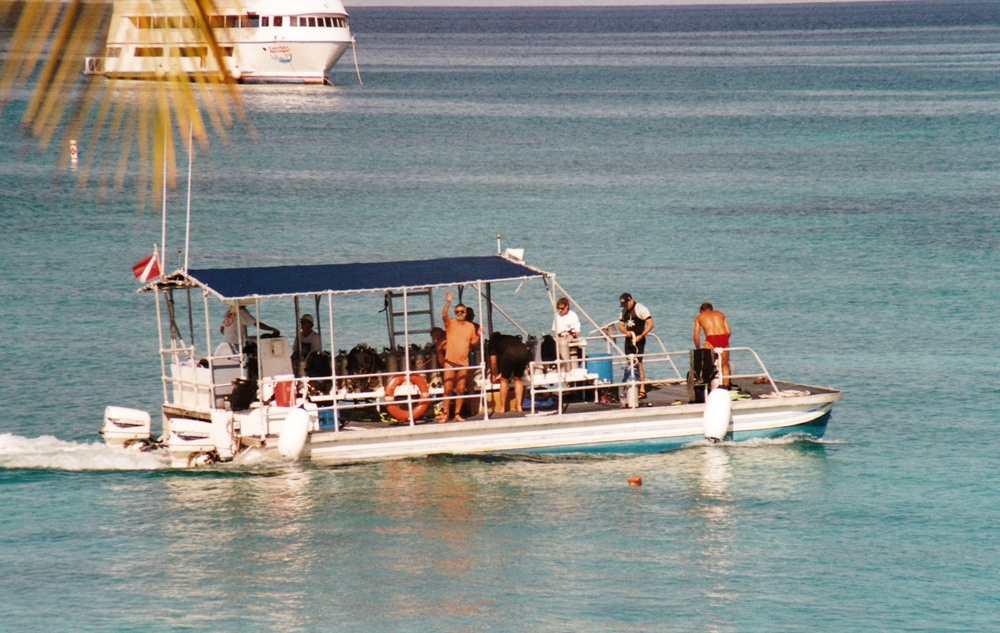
[[460, 336], [717, 332]]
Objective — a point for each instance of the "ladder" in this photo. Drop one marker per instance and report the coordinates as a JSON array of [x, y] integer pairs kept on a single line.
[[396, 321]]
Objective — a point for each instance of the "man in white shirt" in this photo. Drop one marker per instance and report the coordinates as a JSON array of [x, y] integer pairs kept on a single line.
[[235, 324], [566, 327]]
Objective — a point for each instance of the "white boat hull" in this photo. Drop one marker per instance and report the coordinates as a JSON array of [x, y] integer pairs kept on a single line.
[[643, 430], [150, 40]]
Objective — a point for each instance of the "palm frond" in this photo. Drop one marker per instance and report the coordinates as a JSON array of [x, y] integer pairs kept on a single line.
[[117, 124]]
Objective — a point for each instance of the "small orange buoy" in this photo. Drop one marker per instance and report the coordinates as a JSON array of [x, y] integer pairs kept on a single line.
[[635, 480]]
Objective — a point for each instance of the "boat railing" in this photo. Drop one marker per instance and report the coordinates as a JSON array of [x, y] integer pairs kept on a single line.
[[198, 383], [341, 392], [608, 341], [763, 374], [586, 377], [562, 380], [551, 384]]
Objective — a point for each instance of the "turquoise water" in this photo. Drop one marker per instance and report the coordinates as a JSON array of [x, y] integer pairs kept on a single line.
[[826, 176]]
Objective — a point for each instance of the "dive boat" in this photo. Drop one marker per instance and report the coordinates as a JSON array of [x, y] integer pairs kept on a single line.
[[357, 404], [260, 41]]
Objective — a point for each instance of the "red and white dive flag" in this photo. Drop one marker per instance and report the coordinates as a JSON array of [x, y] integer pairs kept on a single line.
[[147, 269]]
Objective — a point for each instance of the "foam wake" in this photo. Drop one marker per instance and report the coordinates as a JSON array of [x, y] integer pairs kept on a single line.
[[47, 452]]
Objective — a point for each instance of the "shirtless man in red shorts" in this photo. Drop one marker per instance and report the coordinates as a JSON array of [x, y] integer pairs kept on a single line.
[[717, 334]]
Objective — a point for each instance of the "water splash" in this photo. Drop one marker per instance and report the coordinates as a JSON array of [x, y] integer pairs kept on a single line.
[[47, 452]]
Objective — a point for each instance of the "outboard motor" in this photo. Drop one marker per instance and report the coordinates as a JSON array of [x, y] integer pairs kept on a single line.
[[125, 427]]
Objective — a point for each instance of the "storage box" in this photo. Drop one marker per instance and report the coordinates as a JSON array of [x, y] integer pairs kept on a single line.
[[599, 364]]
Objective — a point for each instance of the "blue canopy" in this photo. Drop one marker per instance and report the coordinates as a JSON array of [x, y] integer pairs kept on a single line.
[[232, 284]]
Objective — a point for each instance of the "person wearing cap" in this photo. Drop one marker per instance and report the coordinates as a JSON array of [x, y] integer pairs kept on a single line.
[[635, 323], [306, 340]]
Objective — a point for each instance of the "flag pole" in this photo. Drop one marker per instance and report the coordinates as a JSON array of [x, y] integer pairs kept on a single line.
[[187, 228], [163, 233], [187, 225]]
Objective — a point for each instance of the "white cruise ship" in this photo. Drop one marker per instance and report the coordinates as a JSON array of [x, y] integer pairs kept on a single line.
[[261, 41]]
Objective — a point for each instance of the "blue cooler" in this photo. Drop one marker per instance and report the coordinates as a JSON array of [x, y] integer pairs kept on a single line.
[[326, 419], [599, 364]]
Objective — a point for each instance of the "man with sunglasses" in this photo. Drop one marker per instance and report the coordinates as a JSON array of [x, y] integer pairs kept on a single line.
[[566, 327], [460, 336]]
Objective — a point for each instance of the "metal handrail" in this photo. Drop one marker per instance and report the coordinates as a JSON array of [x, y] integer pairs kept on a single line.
[[619, 361]]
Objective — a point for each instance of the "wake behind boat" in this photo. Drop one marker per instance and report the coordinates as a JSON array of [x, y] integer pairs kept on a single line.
[[264, 392], [261, 41]]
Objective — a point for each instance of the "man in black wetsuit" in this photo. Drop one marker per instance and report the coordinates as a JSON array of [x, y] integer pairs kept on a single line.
[[635, 323]]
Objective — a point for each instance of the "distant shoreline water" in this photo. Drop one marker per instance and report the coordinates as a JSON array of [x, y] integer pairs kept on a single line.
[[676, 19]]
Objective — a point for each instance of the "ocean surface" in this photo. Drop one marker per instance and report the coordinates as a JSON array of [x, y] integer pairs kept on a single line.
[[828, 176]]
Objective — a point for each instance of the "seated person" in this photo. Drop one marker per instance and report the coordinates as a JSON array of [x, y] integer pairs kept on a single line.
[[306, 341], [566, 327]]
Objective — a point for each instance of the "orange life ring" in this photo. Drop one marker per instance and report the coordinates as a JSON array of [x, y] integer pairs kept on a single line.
[[402, 413]]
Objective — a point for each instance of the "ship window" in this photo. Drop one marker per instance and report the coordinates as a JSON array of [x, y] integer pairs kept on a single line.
[[149, 51], [114, 51], [253, 20], [143, 21], [159, 22], [277, 20], [265, 21], [312, 21], [189, 51], [174, 22], [187, 22], [217, 21], [232, 21], [227, 51], [327, 22]]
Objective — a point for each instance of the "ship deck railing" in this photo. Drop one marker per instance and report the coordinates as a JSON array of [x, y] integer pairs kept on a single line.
[[549, 385]]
